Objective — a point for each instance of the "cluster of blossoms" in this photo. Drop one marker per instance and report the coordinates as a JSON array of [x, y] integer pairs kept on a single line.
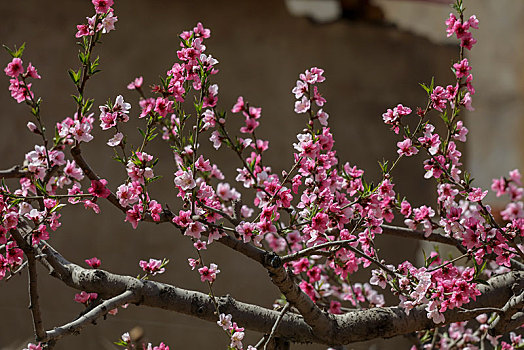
[[320, 205], [235, 332], [154, 266], [127, 342], [20, 90], [103, 21]]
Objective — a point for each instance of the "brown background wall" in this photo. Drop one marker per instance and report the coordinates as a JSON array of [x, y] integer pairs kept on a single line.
[[261, 50]]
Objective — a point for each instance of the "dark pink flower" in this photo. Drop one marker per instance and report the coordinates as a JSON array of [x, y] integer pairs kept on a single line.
[[93, 262], [14, 68], [99, 189], [102, 6]]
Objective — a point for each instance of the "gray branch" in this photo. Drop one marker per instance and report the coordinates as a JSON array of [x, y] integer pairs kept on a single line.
[[90, 317], [341, 329]]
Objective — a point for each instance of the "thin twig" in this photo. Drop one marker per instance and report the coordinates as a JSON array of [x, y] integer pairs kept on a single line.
[[308, 251], [75, 326], [34, 303], [275, 326]]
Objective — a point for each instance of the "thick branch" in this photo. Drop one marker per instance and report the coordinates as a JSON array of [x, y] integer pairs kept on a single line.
[[505, 321], [91, 316], [344, 329], [321, 323]]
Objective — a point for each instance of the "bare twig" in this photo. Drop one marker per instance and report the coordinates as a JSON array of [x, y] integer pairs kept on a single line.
[[34, 303], [313, 249], [275, 326]]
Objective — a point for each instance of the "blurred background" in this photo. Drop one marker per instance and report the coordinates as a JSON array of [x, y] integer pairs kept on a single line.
[[375, 54]]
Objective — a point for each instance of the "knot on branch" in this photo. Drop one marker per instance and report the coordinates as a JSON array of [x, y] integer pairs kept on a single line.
[[225, 302], [273, 260]]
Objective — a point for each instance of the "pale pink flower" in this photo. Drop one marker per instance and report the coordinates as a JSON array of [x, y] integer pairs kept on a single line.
[[108, 23], [303, 105], [184, 179], [152, 267], [224, 321], [115, 140], [236, 340]]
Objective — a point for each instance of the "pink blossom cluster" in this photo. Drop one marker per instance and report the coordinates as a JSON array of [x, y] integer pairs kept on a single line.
[[153, 267], [103, 21], [461, 29], [20, 90], [235, 332], [76, 129], [85, 298]]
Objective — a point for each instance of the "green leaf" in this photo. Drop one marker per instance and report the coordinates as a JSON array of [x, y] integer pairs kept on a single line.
[[57, 207], [20, 51], [39, 186], [87, 106], [75, 76]]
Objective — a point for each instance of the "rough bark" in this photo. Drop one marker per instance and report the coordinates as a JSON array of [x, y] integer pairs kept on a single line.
[[343, 329]]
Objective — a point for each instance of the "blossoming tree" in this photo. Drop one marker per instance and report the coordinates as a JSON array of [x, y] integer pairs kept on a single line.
[[310, 227]]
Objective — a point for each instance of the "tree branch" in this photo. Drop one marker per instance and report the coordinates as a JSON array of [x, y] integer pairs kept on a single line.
[[341, 329], [91, 316], [420, 235], [15, 172], [505, 321], [34, 303]]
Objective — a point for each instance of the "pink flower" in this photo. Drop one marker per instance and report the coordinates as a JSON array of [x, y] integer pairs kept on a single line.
[[93, 262], [200, 31], [108, 23], [224, 321], [406, 148], [209, 273], [90, 204], [195, 229], [31, 71], [236, 340], [239, 105], [14, 68], [99, 189], [32, 346], [134, 215], [199, 245], [303, 105], [102, 6], [152, 267], [136, 84], [84, 298], [462, 68], [115, 140], [476, 194], [184, 179]]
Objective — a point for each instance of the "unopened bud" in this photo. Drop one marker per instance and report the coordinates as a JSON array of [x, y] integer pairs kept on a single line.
[[32, 127]]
